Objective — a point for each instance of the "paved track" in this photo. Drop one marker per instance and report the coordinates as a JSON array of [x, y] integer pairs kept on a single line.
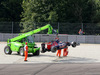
[[82, 60], [50, 69], [85, 53]]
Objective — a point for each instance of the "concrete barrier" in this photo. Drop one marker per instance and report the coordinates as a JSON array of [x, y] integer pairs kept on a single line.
[[81, 39], [50, 37], [97, 39], [6, 36]]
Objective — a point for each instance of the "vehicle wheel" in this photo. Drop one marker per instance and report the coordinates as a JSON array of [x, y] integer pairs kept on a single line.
[[53, 49], [7, 50], [21, 52], [74, 44], [37, 53], [43, 48], [18, 53]]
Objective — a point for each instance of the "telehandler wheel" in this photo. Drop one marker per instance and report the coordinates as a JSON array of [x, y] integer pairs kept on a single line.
[[21, 51], [36, 53], [7, 50], [18, 53]]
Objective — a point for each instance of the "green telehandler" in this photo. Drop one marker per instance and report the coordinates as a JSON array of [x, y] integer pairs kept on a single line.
[[17, 43]]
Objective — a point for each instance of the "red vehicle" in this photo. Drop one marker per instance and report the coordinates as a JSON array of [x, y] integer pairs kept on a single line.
[[55, 45]]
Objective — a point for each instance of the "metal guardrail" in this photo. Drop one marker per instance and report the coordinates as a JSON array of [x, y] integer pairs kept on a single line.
[[50, 37]]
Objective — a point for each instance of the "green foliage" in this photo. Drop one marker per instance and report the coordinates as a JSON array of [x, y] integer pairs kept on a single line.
[[76, 11], [97, 15], [38, 11], [10, 10], [33, 12]]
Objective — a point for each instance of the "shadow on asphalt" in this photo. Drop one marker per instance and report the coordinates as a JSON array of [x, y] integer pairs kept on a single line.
[[70, 59]]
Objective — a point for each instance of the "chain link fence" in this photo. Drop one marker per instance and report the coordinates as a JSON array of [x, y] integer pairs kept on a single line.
[[63, 28]]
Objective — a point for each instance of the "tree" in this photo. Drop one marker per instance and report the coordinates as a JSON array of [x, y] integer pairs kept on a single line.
[[76, 11], [37, 11], [50, 11], [97, 15], [10, 10]]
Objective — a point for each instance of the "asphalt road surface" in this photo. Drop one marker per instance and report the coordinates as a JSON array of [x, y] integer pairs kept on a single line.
[[82, 60], [50, 69]]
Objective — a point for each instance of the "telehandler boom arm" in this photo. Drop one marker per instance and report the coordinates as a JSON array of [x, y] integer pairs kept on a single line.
[[48, 26]]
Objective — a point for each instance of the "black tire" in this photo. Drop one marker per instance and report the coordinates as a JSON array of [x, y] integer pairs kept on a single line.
[[36, 53], [21, 51], [53, 49], [43, 48], [18, 53], [74, 44], [7, 50]]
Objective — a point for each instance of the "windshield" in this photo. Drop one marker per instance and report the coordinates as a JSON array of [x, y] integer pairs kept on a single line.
[[30, 39]]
